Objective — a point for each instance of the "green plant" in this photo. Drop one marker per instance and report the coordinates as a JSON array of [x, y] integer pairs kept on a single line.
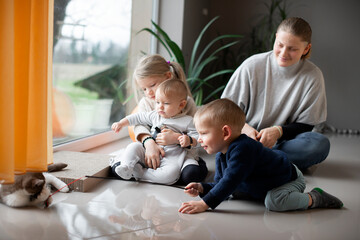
[[109, 84], [199, 60], [262, 35]]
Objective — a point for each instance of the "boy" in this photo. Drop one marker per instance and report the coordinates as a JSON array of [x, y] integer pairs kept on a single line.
[[170, 100], [245, 166]]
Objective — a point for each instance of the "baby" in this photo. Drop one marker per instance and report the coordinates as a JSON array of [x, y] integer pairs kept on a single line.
[[170, 98]]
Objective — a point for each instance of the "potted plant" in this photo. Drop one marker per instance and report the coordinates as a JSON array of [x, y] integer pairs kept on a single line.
[[199, 60], [110, 87]]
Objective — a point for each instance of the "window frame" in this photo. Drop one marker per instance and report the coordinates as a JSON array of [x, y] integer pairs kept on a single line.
[[93, 141], [143, 8]]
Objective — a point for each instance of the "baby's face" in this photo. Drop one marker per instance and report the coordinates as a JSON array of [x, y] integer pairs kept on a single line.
[[168, 106]]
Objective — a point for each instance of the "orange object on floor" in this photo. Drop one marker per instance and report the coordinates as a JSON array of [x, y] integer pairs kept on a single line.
[[63, 114], [131, 128]]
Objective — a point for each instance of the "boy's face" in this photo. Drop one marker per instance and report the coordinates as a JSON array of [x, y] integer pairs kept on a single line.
[[168, 107], [211, 138]]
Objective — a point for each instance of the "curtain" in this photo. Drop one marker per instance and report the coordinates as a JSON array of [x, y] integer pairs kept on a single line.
[[25, 87]]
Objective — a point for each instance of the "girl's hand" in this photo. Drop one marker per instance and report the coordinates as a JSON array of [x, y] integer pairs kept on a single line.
[[167, 137], [193, 207], [153, 154], [269, 136], [250, 131], [194, 189]]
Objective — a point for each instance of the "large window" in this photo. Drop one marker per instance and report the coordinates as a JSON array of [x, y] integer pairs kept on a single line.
[[91, 42]]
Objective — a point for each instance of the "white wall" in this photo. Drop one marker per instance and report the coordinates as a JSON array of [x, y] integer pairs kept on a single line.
[[171, 19], [336, 50]]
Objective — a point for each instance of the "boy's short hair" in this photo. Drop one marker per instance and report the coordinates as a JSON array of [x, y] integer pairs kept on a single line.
[[173, 87], [221, 112]]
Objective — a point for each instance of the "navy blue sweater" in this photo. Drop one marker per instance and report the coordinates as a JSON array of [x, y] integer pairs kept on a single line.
[[247, 167]]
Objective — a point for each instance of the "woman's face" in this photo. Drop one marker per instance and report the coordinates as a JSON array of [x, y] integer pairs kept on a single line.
[[289, 49], [150, 84]]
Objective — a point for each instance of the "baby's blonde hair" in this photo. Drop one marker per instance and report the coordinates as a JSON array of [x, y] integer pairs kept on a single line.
[[173, 87], [156, 65], [221, 112]]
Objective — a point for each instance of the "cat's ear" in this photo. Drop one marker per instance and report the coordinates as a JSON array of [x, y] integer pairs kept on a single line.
[[37, 183]]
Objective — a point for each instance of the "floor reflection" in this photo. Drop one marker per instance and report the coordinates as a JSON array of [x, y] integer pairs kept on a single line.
[[117, 209], [140, 209]]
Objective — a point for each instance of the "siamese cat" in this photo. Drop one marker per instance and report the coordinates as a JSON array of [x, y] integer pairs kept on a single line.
[[32, 189]]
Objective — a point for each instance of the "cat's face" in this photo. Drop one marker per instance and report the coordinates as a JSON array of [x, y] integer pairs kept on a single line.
[[32, 183]]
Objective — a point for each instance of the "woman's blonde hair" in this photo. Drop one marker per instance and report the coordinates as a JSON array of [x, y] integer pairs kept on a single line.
[[298, 27], [156, 65], [221, 112]]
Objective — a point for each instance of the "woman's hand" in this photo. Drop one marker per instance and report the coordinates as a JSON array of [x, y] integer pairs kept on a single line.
[[250, 131], [167, 137], [269, 136], [153, 154]]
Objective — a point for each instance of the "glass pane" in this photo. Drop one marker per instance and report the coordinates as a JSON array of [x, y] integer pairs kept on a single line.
[[91, 40]]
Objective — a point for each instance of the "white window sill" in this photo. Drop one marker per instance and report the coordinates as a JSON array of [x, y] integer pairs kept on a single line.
[[112, 148]]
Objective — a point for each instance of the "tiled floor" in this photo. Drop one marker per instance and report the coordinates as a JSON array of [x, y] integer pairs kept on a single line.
[[128, 210]]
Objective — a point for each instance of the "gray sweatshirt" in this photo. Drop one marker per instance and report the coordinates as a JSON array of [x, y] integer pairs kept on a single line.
[[273, 95]]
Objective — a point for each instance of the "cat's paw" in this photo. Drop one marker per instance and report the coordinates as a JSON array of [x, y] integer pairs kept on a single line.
[[48, 202], [16, 199], [64, 189], [43, 200]]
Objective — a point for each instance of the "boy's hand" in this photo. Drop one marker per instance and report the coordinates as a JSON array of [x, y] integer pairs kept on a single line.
[[194, 189], [193, 207]]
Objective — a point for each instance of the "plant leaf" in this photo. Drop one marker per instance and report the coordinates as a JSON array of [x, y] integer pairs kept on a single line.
[[198, 97], [177, 53], [175, 49], [221, 72], [199, 59], [197, 43], [161, 31], [158, 38], [202, 65], [213, 93]]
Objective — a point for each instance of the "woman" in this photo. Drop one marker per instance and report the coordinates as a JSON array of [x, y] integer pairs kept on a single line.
[[283, 96]]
